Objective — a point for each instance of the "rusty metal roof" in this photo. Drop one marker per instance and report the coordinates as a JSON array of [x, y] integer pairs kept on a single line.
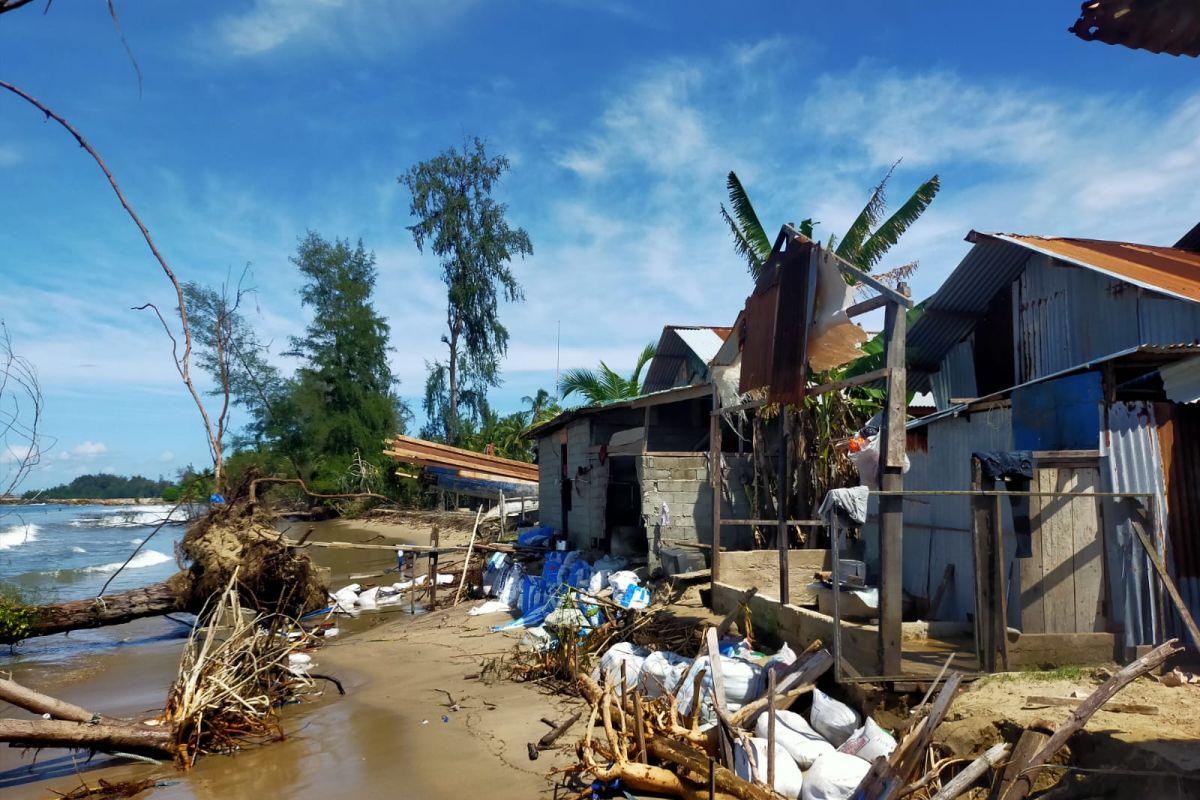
[[1160, 26], [682, 354], [1167, 270]]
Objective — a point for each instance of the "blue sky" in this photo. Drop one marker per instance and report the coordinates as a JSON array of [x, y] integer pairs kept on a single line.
[[259, 120]]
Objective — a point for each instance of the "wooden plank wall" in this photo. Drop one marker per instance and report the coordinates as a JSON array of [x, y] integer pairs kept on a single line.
[[1062, 584]]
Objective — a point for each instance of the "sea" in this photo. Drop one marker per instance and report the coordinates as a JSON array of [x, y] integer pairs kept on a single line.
[[53, 553]]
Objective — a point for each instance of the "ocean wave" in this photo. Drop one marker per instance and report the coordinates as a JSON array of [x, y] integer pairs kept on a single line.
[[78, 550], [147, 558], [17, 535], [136, 541], [143, 516]]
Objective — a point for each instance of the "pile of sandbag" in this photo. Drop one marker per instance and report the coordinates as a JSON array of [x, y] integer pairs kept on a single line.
[[354, 598], [823, 757]]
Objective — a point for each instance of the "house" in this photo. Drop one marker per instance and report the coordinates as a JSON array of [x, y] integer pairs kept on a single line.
[[1087, 354], [632, 476]]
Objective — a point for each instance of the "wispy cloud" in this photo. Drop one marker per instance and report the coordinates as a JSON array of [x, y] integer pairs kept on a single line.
[[89, 449], [9, 155], [358, 25]]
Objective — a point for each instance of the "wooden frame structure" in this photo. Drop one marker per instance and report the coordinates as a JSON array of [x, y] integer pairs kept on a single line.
[[788, 367]]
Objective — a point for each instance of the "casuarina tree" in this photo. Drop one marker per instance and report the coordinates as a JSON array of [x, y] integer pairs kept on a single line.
[[344, 394], [464, 226]]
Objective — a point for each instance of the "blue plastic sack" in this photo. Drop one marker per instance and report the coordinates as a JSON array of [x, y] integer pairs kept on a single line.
[[535, 537]]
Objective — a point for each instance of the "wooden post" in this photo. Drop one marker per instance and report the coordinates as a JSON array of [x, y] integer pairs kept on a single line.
[[502, 509], [433, 564], [999, 584], [714, 462], [836, 564], [982, 526], [892, 438], [781, 538]]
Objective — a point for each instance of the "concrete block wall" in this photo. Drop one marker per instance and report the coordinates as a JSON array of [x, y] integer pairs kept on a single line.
[[681, 482], [550, 481], [589, 488]]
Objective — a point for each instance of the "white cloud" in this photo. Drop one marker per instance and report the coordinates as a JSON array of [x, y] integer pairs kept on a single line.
[[63, 455], [362, 25], [17, 454], [9, 155], [89, 449], [166, 455]]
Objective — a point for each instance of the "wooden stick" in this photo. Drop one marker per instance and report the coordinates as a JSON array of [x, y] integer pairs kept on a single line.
[[470, 548], [974, 771], [792, 686], [639, 724], [1080, 716], [1072, 702], [1172, 589], [433, 563], [552, 736], [723, 628]]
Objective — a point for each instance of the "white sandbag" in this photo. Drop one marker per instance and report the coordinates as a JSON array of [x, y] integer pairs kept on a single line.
[[367, 598], [489, 607], [509, 590], [782, 661], [609, 669], [444, 580], [834, 776], [743, 684], [833, 720], [750, 764], [402, 586], [869, 742], [661, 673], [621, 581], [345, 598], [795, 735]]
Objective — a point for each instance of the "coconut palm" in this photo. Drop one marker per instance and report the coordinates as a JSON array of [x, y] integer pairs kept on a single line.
[[864, 244], [604, 385]]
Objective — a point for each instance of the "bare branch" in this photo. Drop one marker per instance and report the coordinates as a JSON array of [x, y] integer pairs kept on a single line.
[[181, 361]]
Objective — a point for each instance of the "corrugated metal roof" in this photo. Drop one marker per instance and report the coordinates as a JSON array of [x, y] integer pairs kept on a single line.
[[1181, 380], [1168, 270], [1160, 26], [675, 395], [683, 351], [998, 259]]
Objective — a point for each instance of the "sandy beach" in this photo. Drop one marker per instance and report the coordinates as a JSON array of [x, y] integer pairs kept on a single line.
[[392, 733]]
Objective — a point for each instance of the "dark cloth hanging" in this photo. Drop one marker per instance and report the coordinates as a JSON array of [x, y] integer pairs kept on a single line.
[[1015, 468]]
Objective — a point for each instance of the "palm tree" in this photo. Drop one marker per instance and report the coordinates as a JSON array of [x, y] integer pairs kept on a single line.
[[864, 244], [604, 385], [541, 407]]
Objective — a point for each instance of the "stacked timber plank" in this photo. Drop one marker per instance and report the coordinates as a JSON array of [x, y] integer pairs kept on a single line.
[[465, 471]]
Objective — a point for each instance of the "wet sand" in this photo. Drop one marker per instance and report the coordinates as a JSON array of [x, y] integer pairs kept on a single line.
[[386, 736]]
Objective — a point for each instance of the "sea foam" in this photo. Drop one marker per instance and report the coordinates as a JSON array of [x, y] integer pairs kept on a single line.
[[148, 558], [17, 535]]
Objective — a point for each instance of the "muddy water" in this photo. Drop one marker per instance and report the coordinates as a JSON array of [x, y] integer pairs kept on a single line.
[[335, 745]]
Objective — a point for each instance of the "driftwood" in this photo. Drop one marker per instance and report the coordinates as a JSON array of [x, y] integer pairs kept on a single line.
[[76, 727], [974, 771], [553, 736], [1080, 716], [1032, 739], [889, 777]]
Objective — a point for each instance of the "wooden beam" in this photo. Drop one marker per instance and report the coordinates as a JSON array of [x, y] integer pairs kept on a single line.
[[858, 380], [408, 456], [1165, 576], [749, 405], [410, 443], [866, 306], [846, 268], [781, 535], [799, 523]]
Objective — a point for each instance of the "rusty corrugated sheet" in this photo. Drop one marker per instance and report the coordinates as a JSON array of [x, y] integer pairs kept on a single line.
[[759, 333], [1160, 26], [1164, 269], [1179, 442]]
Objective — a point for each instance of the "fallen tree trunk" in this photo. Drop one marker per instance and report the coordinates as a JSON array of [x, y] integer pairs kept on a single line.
[[114, 609], [26, 698], [82, 735]]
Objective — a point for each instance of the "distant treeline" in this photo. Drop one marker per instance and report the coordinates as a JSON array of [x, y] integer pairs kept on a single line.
[[104, 487]]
